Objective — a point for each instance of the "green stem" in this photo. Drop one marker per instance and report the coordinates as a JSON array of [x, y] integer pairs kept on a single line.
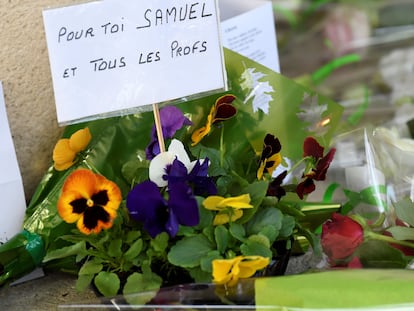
[[386, 238]]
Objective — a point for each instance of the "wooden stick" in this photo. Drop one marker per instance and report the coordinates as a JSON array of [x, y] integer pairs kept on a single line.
[[158, 127]]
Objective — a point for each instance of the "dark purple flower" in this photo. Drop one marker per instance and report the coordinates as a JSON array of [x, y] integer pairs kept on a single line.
[[146, 204], [198, 178], [275, 187], [321, 163], [172, 119]]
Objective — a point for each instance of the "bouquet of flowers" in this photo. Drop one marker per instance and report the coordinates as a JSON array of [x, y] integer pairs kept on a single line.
[[211, 199], [375, 226]]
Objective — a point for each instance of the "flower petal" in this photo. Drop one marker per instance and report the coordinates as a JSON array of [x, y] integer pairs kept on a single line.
[[312, 148], [80, 140], [184, 204], [158, 166], [63, 155]]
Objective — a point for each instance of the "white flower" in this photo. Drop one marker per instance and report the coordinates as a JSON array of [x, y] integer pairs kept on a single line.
[[158, 165]]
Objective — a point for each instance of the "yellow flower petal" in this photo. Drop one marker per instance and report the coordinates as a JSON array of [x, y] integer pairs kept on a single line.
[[212, 202], [63, 155], [80, 140], [199, 134], [250, 264], [222, 269], [276, 159], [228, 271], [241, 201], [224, 217]]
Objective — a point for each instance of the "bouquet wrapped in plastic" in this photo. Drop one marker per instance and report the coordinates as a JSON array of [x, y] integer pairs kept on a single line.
[[375, 227], [226, 195]]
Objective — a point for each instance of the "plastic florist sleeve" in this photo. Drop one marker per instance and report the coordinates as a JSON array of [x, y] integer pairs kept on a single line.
[[263, 119]]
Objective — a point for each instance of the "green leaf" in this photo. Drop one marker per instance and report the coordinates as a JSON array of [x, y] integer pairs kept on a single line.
[[189, 251], [107, 283], [379, 254], [114, 248], [267, 216], [143, 291], [205, 263], [134, 250], [237, 231], [288, 225], [257, 191], [160, 242], [72, 250], [402, 233], [132, 236], [405, 211], [91, 267], [83, 281], [135, 171], [222, 238], [256, 246], [270, 232]]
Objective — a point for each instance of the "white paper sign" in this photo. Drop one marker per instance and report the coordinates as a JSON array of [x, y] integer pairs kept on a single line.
[[108, 56], [13, 204], [248, 28]]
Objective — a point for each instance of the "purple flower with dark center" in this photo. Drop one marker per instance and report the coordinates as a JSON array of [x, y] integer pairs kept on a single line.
[[146, 204], [172, 119]]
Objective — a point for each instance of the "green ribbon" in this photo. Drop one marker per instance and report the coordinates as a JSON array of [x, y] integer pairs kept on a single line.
[[371, 195], [35, 246], [20, 255]]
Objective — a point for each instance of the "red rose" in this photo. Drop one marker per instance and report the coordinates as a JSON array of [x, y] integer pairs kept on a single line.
[[341, 235]]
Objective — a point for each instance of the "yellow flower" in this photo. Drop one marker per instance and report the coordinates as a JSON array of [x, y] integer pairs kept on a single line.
[[222, 110], [66, 149], [229, 209], [229, 271], [89, 199]]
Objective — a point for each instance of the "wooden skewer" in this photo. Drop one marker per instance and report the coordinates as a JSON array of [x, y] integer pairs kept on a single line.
[[158, 127]]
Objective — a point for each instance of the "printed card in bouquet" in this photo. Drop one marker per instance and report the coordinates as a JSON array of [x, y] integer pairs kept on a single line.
[[248, 28], [11, 186]]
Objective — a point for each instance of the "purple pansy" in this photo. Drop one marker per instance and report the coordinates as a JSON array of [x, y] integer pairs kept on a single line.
[[197, 178], [172, 119], [146, 204]]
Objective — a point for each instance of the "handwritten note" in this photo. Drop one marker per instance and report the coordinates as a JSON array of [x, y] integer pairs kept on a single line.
[[111, 56], [13, 204]]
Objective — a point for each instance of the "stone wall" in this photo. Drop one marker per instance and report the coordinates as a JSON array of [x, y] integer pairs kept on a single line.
[[27, 84]]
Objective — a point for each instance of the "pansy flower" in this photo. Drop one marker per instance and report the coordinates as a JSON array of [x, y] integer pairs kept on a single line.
[[270, 157], [275, 188], [229, 271], [66, 149], [160, 165], [146, 204], [172, 119], [222, 110], [198, 178], [229, 209], [318, 166], [90, 200]]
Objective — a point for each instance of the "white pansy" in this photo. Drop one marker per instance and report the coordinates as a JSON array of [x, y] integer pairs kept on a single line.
[[158, 165]]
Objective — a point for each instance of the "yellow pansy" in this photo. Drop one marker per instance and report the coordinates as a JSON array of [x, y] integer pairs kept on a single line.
[[229, 271], [270, 157], [66, 149], [90, 200], [229, 209]]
